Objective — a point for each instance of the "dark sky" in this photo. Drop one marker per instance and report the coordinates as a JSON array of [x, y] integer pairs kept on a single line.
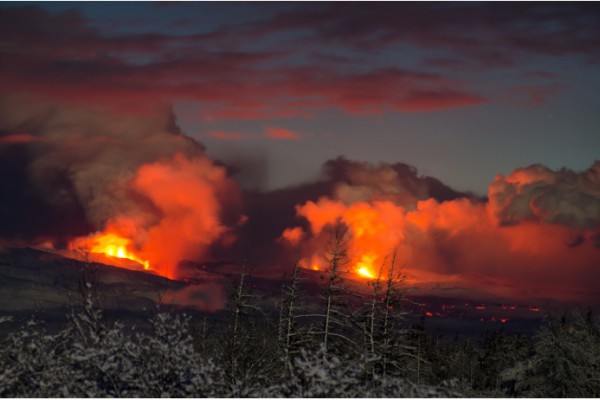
[[463, 91]]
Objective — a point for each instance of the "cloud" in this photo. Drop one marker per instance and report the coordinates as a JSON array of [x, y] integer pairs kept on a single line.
[[59, 56], [552, 30], [536, 193], [292, 235], [16, 138], [535, 238], [280, 133], [136, 177], [381, 90], [355, 181], [270, 213], [64, 57]]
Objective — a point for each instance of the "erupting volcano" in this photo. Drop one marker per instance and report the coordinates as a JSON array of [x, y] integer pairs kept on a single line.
[[168, 147], [353, 175], [529, 232]]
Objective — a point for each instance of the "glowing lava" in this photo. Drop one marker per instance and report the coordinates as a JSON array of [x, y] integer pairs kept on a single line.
[[365, 272], [109, 244], [365, 266]]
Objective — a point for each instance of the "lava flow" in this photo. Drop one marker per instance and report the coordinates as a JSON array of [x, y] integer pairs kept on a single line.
[[109, 244]]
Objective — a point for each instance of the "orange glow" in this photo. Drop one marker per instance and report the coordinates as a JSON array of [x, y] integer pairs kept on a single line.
[[434, 242], [179, 219], [315, 267], [109, 244], [366, 273], [365, 266]]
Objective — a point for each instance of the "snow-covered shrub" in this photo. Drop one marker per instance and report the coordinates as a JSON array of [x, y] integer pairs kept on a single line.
[[31, 363], [317, 375], [88, 361], [566, 362]]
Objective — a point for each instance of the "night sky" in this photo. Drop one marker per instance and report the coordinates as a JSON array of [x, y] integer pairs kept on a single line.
[[105, 107], [462, 91]]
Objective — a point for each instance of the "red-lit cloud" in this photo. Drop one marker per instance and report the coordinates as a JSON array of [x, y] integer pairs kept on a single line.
[[88, 141], [538, 236], [134, 177], [280, 133], [17, 138], [59, 57]]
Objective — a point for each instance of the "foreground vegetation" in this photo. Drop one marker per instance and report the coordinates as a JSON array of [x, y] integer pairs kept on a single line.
[[91, 359], [332, 348]]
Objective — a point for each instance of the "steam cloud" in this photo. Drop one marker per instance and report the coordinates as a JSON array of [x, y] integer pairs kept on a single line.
[[537, 235], [537, 193], [75, 170], [135, 175]]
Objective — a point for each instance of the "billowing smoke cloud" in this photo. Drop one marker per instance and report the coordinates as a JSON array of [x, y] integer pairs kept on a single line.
[[270, 213], [361, 181], [539, 194], [135, 176], [536, 237]]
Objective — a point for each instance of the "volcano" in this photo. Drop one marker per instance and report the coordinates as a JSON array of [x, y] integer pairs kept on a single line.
[[49, 283]]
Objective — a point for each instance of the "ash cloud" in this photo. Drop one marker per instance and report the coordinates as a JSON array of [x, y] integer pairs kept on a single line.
[[137, 175], [270, 213], [537, 193], [536, 236], [355, 181]]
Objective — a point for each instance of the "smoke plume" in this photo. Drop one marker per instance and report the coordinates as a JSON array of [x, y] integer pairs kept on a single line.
[[537, 236], [137, 177]]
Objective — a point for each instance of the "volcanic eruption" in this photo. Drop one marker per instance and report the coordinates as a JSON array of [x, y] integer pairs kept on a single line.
[[148, 194], [538, 233]]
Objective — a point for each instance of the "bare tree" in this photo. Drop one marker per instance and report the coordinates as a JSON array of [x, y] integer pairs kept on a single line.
[[335, 319], [371, 322], [380, 320], [243, 301], [291, 336]]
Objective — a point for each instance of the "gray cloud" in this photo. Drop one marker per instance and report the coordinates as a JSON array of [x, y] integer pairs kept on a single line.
[[538, 193]]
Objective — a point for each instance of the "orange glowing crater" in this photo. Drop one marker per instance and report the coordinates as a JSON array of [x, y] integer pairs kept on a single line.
[[109, 244]]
